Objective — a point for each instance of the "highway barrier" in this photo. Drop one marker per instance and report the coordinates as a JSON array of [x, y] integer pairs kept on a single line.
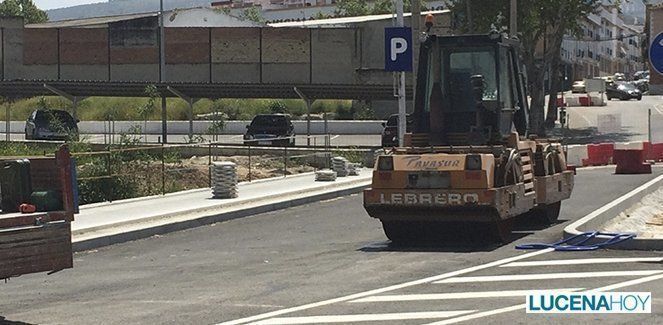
[[655, 152], [585, 100], [599, 154], [576, 155], [630, 158]]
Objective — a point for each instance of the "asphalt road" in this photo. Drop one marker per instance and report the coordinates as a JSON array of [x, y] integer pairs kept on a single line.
[[631, 119], [320, 254]]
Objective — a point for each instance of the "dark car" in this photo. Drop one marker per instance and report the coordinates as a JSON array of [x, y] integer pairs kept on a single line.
[[270, 129], [390, 132], [623, 91], [51, 124]]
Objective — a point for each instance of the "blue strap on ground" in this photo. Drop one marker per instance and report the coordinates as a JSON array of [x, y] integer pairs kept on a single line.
[[577, 242]]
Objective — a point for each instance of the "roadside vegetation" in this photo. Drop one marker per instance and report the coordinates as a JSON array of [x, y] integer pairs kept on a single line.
[[149, 108]]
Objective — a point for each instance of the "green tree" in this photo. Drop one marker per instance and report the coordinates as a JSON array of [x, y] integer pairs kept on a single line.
[[278, 107], [542, 24], [352, 8], [253, 14], [145, 110], [364, 7], [320, 15], [23, 8]]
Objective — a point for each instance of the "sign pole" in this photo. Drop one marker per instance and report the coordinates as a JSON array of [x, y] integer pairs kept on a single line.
[[513, 29], [401, 84]]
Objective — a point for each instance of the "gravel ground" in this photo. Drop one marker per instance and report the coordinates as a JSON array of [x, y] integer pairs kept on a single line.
[[644, 218]]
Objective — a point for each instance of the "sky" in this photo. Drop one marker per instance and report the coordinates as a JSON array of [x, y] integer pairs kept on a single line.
[[52, 4]]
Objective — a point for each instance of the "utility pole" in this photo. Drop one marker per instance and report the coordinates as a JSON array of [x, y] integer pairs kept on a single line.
[[401, 84], [513, 29], [162, 42], [162, 73], [416, 32]]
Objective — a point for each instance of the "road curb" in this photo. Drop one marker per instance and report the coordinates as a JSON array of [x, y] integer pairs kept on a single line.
[[596, 219], [145, 229], [197, 190]]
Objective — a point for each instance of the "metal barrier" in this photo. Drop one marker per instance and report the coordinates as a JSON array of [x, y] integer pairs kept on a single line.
[[131, 169]]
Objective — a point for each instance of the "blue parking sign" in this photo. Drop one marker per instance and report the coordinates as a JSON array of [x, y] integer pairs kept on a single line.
[[398, 49], [656, 53]]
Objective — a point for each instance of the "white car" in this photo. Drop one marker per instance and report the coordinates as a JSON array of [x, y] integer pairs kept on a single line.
[[578, 87]]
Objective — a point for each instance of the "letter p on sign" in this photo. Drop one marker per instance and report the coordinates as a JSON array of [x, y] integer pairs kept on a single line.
[[398, 49], [398, 46]]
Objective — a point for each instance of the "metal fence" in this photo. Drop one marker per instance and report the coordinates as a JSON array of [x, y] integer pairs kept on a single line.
[[122, 172]]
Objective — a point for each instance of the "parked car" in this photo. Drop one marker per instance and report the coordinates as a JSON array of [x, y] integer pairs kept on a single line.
[[578, 87], [623, 91], [390, 131], [644, 74], [609, 81], [270, 129], [51, 124], [619, 77], [642, 84]]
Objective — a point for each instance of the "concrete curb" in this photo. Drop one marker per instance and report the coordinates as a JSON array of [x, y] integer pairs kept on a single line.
[[197, 190], [596, 219], [140, 229]]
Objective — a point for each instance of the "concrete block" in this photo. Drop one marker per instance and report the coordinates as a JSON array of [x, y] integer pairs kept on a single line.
[[285, 73], [188, 72], [236, 72], [629, 146], [333, 56], [135, 72], [572, 101], [13, 53], [84, 72], [45, 72], [235, 45], [576, 154], [286, 45]]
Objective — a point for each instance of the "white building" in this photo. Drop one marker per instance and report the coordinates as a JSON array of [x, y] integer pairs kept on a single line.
[[606, 45]]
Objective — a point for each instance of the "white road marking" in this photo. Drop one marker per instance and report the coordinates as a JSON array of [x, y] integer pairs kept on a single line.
[[547, 276], [656, 107], [522, 306], [584, 261], [455, 295], [577, 113], [479, 315], [362, 317], [386, 289], [629, 283]]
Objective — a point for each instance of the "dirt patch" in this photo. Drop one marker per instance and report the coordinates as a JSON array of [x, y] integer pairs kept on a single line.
[[645, 218], [261, 166]]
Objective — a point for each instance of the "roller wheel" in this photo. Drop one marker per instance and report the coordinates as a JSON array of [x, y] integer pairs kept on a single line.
[[502, 230], [400, 231], [550, 212]]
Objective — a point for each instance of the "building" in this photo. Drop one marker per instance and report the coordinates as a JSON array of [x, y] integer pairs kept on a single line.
[[605, 45]]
